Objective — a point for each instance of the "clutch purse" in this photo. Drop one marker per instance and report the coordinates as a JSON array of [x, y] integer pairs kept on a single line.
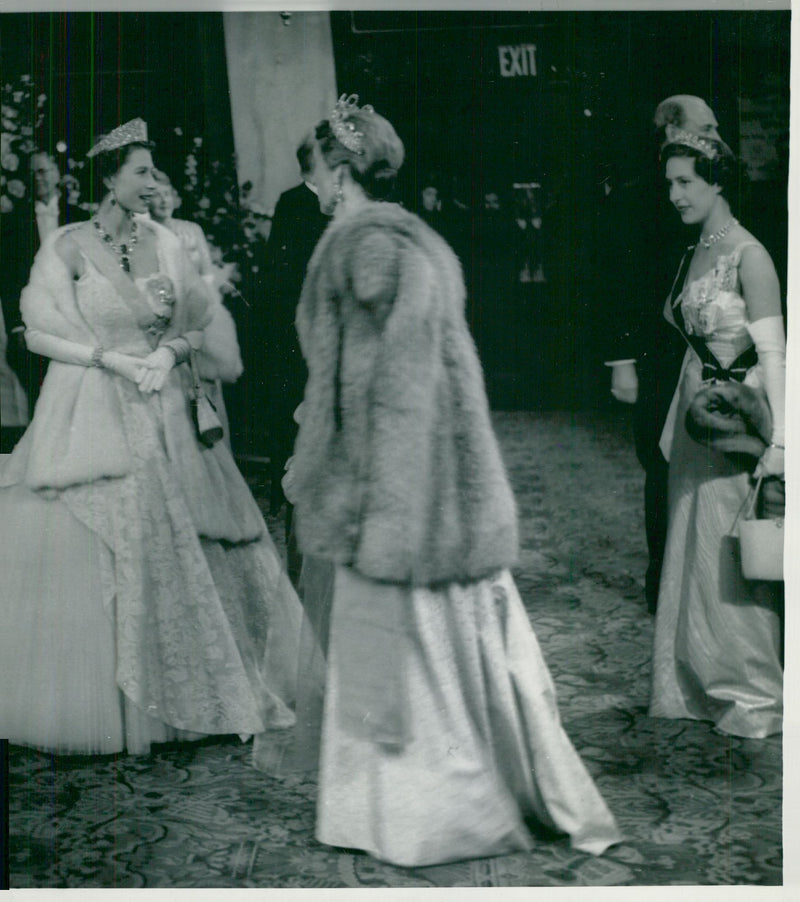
[[760, 540], [207, 424]]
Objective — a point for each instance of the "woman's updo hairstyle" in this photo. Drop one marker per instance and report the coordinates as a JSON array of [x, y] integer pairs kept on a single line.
[[363, 140], [713, 160]]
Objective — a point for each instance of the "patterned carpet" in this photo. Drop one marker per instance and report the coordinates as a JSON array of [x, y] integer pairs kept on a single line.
[[696, 807]]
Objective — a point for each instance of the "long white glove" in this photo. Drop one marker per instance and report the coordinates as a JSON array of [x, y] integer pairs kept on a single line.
[[66, 351], [770, 341]]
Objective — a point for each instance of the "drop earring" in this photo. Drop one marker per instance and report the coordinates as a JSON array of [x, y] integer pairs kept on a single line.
[[113, 198]]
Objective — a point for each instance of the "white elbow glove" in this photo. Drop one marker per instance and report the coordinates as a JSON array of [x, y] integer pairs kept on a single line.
[[770, 341], [56, 348], [66, 351]]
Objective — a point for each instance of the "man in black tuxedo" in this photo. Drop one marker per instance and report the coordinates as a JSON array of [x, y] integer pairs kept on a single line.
[[22, 231], [644, 248], [297, 226]]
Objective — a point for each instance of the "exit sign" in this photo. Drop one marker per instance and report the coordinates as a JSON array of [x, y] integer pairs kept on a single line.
[[517, 60]]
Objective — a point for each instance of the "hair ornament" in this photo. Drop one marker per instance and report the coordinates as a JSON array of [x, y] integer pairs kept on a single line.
[[133, 132], [706, 146], [344, 130]]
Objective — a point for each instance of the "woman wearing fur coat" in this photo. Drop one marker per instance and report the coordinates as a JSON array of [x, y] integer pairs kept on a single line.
[[441, 737]]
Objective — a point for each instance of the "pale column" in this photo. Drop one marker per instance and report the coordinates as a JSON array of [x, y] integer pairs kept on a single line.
[[282, 82]]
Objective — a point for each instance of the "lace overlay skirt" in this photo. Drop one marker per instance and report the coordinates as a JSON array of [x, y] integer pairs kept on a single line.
[[124, 626]]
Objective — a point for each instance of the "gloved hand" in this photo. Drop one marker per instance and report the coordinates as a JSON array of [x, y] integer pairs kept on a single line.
[[123, 365], [155, 369], [624, 382]]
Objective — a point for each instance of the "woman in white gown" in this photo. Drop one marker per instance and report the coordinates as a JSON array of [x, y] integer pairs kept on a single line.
[[143, 599], [717, 653], [440, 738]]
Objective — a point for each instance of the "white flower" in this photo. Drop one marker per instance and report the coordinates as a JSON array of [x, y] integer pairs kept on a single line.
[[178, 130], [41, 100], [10, 162], [16, 188], [5, 204], [204, 203]]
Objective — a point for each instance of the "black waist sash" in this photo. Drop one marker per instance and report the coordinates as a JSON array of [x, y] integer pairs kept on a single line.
[[712, 368]]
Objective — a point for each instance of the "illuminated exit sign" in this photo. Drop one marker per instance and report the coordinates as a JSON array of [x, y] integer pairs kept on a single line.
[[517, 59]]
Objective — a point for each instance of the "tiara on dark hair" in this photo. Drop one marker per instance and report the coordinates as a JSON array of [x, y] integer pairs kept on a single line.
[[706, 146], [133, 132]]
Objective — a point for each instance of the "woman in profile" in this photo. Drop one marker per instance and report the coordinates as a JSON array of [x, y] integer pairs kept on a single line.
[[717, 653], [143, 599], [441, 737]]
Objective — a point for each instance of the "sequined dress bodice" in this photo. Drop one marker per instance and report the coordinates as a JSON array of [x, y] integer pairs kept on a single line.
[[713, 308]]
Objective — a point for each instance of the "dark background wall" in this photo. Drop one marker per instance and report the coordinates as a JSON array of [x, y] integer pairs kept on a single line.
[[438, 76], [100, 69], [585, 114]]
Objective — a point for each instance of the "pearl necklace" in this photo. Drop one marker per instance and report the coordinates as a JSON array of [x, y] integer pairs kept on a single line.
[[123, 251], [720, 233]]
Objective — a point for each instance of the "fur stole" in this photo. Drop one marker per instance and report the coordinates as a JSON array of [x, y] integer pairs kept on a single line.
[[77, 435], [396, 471]]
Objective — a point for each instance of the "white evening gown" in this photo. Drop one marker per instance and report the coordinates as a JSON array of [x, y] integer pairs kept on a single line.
[[484, 759], [717, 635], [124, 622]]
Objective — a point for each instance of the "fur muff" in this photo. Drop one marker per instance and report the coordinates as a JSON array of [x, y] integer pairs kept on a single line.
[[396, 471]]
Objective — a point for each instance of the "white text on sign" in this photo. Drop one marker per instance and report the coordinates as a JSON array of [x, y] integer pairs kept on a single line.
[[517, 60]]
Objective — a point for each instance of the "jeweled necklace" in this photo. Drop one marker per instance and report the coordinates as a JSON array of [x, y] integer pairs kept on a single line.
[[720, 233], [123, 251]]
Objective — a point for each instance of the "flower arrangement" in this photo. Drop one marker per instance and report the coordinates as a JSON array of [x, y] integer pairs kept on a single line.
[[21, 112], [212, 197], [235, 229]]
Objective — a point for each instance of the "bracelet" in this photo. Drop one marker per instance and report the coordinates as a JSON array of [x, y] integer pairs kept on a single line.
[[97, 357], [180, 347]]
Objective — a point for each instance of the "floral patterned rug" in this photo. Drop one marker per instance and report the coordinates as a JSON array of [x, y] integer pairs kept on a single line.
[[696, 807]]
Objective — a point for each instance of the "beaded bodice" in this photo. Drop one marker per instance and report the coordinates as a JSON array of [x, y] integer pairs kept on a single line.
[[713, 308], [111, 316]]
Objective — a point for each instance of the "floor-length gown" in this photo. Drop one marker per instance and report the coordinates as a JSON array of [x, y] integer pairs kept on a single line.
[[485, 762], [717, 635], [147, 607]]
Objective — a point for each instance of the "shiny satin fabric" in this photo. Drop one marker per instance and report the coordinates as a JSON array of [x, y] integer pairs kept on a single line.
[[484, 765]]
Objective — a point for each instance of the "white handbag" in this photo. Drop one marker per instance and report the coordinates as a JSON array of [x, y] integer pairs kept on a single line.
[[760, 540]]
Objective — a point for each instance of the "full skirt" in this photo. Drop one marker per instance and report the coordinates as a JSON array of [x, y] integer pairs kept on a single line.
[[124, 623], [441, 738], [717, 650]]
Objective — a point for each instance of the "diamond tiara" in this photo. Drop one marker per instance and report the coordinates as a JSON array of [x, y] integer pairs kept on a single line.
[[344, 130], [706, 146], [133, 132]]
